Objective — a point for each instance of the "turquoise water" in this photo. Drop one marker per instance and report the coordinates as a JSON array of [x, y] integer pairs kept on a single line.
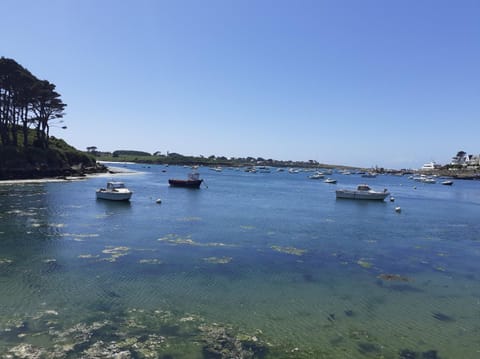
[[270, 261]]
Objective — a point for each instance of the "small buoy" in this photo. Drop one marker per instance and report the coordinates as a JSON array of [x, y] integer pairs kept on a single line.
[[158, 201], [398, 209], [392, 199]]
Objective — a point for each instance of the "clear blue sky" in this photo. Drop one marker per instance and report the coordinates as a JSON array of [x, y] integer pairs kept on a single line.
[[387, 83]]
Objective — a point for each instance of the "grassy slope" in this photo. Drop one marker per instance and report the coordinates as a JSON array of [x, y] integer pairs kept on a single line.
[[33, 162]]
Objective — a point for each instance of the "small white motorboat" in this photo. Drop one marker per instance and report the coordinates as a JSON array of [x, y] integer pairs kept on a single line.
[[363, 191], [317, 175], [330, 180], [115, 191]]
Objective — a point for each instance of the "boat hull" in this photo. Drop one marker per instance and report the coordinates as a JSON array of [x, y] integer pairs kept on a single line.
[[185, 183], [114, 196], [361, 195]]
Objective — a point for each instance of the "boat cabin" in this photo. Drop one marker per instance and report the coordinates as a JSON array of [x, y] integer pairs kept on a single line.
[[194, 176], [363, 187], [111, 186]]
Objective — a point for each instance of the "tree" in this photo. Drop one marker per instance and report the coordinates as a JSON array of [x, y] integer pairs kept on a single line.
[[26, 101], [47, 106]]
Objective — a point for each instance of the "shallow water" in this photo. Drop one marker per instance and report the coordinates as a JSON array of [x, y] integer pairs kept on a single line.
[[270, 255]]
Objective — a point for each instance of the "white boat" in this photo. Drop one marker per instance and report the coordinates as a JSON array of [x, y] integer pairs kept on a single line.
[[424, 179], [363, 191], [317, 175], [115, 191], [330, 180]]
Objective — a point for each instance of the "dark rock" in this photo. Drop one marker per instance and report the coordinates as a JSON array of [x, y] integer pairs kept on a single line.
[[407, 354], [431, 354], [367, 348]]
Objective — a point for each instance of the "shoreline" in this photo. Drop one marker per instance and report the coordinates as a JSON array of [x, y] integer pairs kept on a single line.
[[110, 171]]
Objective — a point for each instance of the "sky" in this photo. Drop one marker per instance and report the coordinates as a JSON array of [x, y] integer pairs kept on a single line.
[[364, 83]]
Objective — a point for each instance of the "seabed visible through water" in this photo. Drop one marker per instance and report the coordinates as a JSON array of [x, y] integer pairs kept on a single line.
[[255, 266]]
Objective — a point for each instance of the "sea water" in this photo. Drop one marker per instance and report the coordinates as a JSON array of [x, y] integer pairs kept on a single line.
[[268, 262]]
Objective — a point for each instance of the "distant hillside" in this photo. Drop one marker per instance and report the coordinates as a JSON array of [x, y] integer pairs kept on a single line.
[[173, 158], [119, 153]]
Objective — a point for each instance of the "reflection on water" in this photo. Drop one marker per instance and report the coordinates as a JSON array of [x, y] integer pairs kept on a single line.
[[265, 265]]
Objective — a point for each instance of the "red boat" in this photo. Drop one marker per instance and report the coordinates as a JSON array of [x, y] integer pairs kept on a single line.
[[193, 181]]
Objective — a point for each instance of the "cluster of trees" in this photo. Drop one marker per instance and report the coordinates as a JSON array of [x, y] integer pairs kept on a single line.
[[179, 159], [119, 153], [26, 103]]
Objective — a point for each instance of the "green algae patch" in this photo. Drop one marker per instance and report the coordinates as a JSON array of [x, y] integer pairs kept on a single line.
[[218, 260], [150, 261], [134, 333], [364, 264], [247, 228], [113, 250], [290, 250], [116, 252], [87, 256], [393, 277], [176, 239]]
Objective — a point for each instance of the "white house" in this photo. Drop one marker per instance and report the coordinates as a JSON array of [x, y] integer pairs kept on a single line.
[[460, 159], [430, 166], [464, 160]]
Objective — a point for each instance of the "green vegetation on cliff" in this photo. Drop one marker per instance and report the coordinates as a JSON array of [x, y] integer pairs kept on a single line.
[[59, 159], [28, 108]]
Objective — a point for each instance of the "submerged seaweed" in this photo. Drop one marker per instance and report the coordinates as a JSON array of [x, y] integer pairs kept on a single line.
[[217, 260], [404, 288], [410, 354], [407, 354], [368, 348], [219, 342], [136, 333], [393, 277], [290, 250], [442, 317]]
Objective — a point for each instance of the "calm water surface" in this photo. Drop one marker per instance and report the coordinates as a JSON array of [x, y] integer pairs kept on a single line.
[[271, 258]]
